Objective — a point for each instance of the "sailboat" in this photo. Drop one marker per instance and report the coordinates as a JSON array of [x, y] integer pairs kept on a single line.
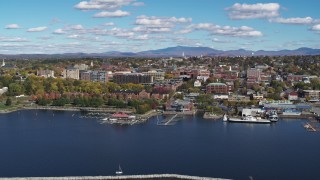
[[119, 172]]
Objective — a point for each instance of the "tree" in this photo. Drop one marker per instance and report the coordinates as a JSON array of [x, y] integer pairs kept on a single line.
[[8, 102], [16, 89]]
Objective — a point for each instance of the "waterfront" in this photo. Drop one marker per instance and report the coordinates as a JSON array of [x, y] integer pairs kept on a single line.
[[58, 143]]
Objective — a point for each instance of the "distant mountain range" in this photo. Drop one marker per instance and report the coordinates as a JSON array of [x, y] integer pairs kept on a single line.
[[177, 51]]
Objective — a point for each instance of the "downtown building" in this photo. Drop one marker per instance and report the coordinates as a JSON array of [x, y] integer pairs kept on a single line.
[[95, 76], [136, 78], [218, 88]]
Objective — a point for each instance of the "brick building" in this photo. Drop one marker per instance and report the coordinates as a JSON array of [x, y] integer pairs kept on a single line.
[[219, 88]]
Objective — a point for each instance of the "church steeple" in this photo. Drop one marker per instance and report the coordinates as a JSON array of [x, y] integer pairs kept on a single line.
[[3, 63]]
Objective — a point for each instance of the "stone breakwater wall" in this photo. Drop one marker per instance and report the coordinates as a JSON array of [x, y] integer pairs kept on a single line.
[[152, 176]]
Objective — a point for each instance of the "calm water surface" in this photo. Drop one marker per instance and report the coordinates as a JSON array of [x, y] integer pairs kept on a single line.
[[47, 143]]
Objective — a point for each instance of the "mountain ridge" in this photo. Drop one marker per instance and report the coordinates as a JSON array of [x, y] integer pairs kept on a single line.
[[176, 51]]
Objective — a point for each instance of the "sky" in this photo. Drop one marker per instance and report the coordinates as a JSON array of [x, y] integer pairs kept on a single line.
[[97, 26]]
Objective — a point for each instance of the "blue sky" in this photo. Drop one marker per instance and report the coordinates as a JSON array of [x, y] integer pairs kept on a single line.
[[94, 26]]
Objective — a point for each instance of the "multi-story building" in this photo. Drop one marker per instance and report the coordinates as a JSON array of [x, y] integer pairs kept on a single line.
[[99, 76], [71, 72], [85, 75], [156, 74], [254, 73], [95, 76], [295, 78], [219, 88], [136, 78], [313, 94], [45, 73]]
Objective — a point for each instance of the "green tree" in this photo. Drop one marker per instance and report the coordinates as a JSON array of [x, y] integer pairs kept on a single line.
[[16, 89], [8, 102]]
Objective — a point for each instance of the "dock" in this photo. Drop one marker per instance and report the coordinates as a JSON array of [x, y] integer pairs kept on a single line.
[[312, 127], [302, 116], [167, 121]]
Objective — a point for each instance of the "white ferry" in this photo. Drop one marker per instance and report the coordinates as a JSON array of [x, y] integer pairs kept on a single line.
[[246, 119]]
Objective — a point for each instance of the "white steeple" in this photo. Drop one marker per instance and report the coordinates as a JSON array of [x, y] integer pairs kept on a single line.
[[91, 64], [3, 63]]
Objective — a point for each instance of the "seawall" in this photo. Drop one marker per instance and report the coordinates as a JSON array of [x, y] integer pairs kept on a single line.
[[151, 176]]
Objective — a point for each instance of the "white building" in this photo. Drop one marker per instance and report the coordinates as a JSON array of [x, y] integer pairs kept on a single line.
[[197, 83]]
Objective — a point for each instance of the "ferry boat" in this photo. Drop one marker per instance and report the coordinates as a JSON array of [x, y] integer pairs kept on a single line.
[[246, 119], [273, 116], [291, 112]]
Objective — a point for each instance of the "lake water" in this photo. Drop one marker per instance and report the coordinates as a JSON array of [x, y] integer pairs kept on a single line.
[[52, 143]]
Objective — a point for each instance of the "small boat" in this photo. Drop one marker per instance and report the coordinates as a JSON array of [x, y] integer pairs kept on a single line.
[[273, 116], [246, 119], [119, 172]]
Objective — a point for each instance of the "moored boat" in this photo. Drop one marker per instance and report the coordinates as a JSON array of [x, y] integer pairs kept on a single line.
[[246, 119], [119, 172], [273, 116]]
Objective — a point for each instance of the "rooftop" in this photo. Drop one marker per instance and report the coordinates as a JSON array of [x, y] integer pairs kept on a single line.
[[216, 84]]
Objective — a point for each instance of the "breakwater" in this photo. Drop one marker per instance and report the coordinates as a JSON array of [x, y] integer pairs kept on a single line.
[[151, 176]]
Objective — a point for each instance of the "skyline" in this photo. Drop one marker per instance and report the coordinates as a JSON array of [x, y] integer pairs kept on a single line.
[[96, 26]]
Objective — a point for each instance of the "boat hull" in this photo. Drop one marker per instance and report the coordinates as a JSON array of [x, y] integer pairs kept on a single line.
[[248, 121]]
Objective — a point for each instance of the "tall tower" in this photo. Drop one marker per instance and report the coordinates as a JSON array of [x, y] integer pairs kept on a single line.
[[183, 55], [3, 63], [91, 64]]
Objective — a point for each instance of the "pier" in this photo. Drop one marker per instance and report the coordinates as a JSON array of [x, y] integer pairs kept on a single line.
[[167, 121], [151, 176], [311, 127]]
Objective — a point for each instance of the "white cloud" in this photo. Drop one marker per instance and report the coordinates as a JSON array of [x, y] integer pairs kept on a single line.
[[117, 13], [102, 4], [138, 4], [59, 31], [144, 29], [153, 24], [297, 20], [44, 38], [243, 31], [117, 32], [316, 27], [109, 24], [12, 39], [73, 36], [140, 37], [160, 21], [216, 40], [37, 29], [75, 27], [12, 26], [253, 11]]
